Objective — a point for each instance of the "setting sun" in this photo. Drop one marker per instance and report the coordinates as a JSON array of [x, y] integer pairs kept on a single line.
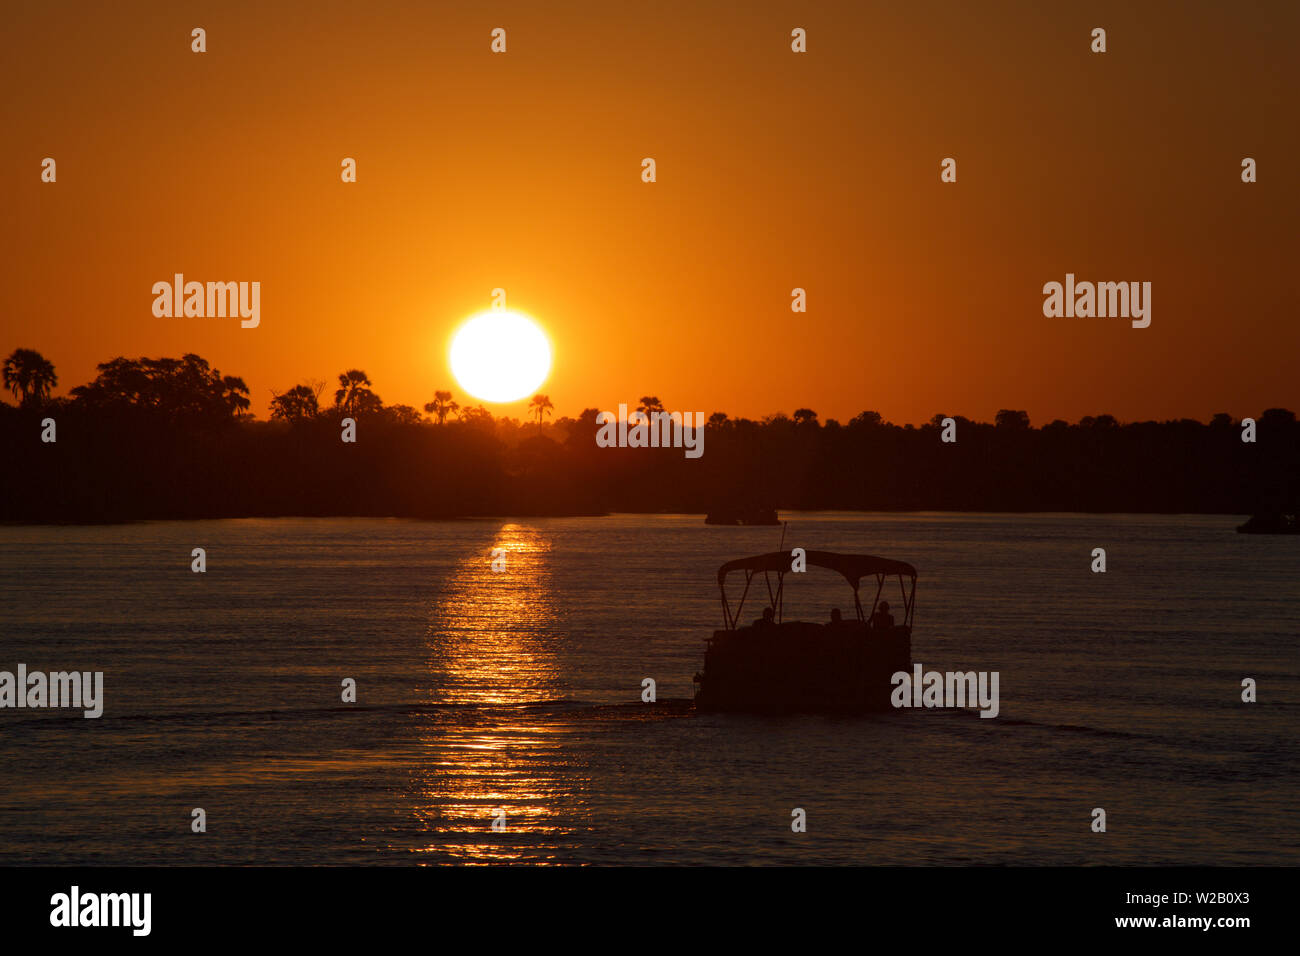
[[500, 356]]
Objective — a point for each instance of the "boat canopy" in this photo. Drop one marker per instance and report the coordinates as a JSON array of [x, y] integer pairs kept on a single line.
[[853, 567]]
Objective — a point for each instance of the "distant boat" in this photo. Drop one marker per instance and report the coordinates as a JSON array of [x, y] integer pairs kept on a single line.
[[742, 516], [1271, 523], [779, 666]]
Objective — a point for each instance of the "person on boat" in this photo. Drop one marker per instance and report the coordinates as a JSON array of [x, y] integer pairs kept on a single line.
[[767, 620], [882, 617], [836, 617]]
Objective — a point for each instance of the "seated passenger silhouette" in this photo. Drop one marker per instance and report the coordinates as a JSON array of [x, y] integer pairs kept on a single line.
[[767, 620], [882, 617], [835, 616]]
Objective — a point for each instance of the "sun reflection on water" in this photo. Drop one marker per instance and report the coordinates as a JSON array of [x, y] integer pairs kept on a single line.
[[495, 741]]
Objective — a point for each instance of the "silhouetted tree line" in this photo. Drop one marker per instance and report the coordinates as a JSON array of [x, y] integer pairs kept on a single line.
[[174, 438]]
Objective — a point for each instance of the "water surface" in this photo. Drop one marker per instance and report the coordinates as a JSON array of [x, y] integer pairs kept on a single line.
[[520, 692]]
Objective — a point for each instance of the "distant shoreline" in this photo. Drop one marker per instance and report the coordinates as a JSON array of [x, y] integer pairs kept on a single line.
[[154, 440], [790, 515]]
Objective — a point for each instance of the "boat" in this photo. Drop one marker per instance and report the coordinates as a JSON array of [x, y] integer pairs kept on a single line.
[[742, 516], [1271, 523], [779, 666]]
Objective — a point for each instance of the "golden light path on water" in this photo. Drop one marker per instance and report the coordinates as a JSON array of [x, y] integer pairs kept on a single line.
[[491, 746]]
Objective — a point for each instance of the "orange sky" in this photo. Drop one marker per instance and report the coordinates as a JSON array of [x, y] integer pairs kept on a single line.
[[775, 170]]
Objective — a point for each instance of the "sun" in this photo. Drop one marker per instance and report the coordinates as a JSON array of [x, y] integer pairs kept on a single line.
[[500, 356]]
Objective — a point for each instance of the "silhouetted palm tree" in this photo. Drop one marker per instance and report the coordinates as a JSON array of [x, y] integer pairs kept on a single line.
[[235, 394], [30, 374], [441, 406], [352, 384], [649, 405], [541, 404]]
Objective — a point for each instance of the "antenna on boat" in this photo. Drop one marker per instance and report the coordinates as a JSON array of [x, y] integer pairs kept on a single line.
[[784, 525]]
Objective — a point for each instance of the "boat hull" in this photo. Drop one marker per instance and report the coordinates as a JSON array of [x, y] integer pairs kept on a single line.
[[800, 667], [1271, 524]]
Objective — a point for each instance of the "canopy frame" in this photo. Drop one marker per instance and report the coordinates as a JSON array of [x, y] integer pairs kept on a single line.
[[853, 567]]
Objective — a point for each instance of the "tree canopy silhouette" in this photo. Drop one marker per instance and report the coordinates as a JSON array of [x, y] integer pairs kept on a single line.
[[184, 390], [173, 438], [298, 404]]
